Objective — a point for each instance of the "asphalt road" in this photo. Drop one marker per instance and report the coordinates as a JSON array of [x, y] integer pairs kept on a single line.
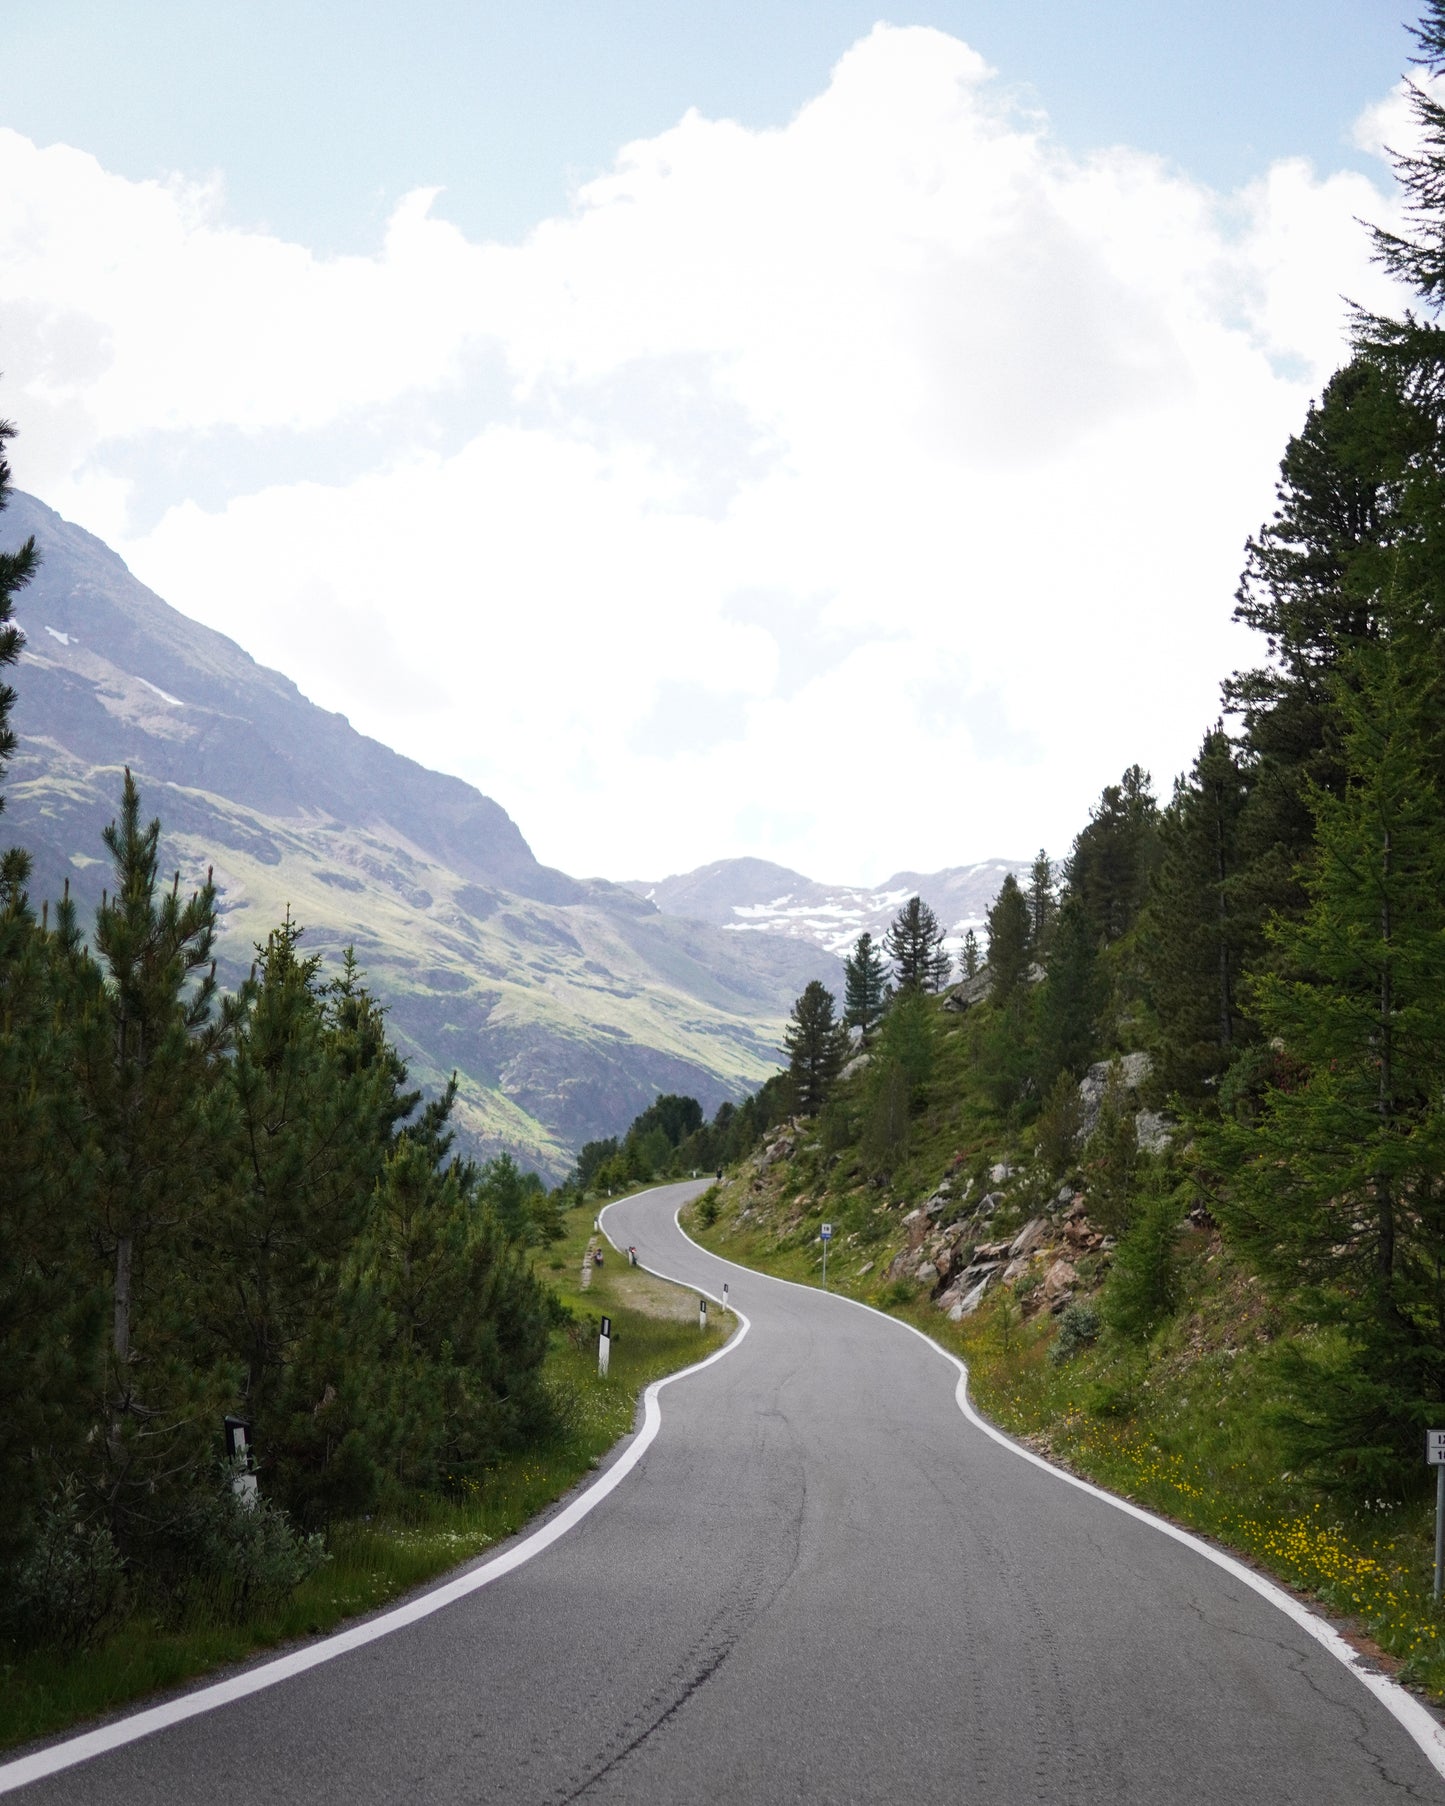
[[820, 1583]]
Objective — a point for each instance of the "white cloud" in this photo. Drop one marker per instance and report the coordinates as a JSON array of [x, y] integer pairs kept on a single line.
[[991, 419]]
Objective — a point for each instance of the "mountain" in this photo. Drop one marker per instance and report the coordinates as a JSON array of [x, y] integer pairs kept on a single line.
[[752, 897], [564, 1005]]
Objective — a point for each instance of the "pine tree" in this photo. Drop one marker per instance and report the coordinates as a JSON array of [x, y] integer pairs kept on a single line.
[[902, 1068], [1335, 1185], [816, 1045], [915, 945], [1415, 346], [1070, 998], [1108, 871], [304, 1160], [971, 959], [50, 1316], [1043, 904], [865, 985], [1316, 584], [1010, 948], [1192, 937], [51, 1304], [146, 1047], [462, 1324]]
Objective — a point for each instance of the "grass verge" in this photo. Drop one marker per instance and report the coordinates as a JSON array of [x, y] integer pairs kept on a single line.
[[375, 1562]]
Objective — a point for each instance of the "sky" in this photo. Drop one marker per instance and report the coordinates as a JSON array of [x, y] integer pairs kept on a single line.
[[740, 428]]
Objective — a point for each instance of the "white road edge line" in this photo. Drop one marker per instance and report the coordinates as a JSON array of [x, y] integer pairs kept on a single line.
[[1416, 1719], [60, 1756]]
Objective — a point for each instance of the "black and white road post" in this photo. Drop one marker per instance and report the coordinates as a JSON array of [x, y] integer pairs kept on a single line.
[[238, 1453], [702, 1313], [1435, 1457], [826, 1232], [604, 1346], [725, 1295]]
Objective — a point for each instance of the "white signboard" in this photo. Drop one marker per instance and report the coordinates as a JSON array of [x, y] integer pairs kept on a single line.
[[826, 1232], [1435, 1447]]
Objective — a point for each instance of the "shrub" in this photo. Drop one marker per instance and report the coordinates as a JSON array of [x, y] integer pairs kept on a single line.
[[245, 1555], [708, 1206], [72, 1585], [1111, 1158], [1078, 1327], [1059, 1123], [1143, 1284]]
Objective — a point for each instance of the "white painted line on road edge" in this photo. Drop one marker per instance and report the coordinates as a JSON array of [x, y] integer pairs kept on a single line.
[[60, 1756], [1421, 1724]]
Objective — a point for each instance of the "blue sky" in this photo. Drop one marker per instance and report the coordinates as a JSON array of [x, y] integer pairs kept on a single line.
[[703, 403], [323, 117]]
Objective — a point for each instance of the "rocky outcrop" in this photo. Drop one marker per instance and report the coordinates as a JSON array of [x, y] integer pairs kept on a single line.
[[1152, 1129]]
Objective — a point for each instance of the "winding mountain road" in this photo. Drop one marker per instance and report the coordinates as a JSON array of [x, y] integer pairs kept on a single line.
[[821, 1582]]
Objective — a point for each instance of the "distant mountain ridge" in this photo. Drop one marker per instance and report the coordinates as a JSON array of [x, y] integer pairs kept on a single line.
[[564, 1005], [754, 896]]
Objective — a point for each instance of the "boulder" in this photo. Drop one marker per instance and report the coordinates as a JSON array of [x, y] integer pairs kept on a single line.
[[1029, 1237], [968, 991], [1058, 1286], [1134, 1068], [1153, 1131], [902, 1260], [969, 1303]]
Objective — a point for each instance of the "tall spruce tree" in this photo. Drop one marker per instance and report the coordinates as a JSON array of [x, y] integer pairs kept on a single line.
[[1414, 346], [1043, 903], [1192, 937], [914, 943], [971, 958], [1109, 868], [816, 1045], [1070, 998], [1317, 584], [1010, 943], [865, 989], [1334, 1186]]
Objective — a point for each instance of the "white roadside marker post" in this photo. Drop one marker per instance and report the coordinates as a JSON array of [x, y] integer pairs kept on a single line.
[[725, 1295], [238, 1454], [702, 1313], [604, 1347], [1435, 1457], [826, 1232]]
